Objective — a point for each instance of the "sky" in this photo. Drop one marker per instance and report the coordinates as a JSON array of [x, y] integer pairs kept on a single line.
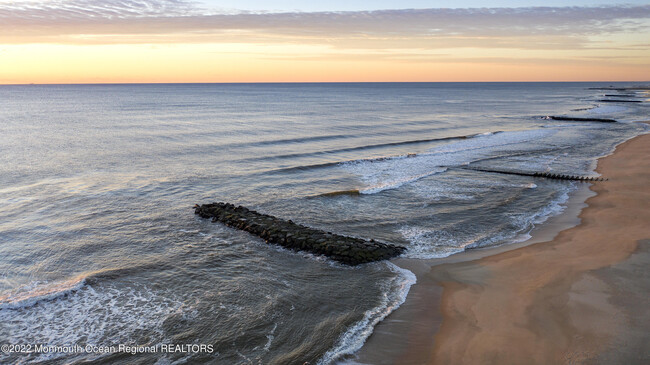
[[142, 41]]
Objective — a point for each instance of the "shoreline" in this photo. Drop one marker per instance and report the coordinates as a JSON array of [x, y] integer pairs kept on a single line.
[[409, 324], [450, 314]]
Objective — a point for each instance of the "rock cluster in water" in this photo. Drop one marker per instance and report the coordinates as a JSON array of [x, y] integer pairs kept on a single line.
[[348, 250]]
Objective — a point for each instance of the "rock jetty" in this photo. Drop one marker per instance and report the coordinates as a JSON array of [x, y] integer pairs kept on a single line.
[[347, 250]]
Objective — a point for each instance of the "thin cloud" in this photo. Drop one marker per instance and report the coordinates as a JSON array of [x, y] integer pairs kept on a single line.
[[170, 21], [70, 10]]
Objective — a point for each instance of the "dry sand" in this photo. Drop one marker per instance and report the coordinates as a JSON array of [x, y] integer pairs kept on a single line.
[[581, 298]]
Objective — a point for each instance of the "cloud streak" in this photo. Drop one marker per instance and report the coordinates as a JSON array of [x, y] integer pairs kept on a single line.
[[69, 10], [153, 21]]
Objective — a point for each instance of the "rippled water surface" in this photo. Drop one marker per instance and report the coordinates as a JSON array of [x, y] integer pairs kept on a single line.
[[99, 244]]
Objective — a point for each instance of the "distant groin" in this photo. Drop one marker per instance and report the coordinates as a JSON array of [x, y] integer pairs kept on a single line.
[[620, 101], [575, 119], [286, 233], [547, 175]]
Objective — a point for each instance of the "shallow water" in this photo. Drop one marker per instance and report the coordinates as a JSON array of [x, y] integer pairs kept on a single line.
[[99, 244]]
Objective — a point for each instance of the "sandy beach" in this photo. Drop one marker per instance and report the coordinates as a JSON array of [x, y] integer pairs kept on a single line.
[[578, 298]]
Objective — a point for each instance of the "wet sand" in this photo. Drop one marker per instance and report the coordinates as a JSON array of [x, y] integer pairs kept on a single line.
[[581, 297]]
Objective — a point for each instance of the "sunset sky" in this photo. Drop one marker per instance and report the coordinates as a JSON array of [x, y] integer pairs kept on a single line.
[[116, 41]]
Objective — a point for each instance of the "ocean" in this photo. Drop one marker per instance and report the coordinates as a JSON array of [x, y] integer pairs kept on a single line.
[[100, 247]]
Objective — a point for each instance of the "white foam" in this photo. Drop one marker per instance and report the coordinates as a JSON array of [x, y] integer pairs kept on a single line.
[[554, 208], [390, 173], [270, 336], [429, 243], [492, 141], [106, 315], [394, 295], [426, 243], [396, 183]]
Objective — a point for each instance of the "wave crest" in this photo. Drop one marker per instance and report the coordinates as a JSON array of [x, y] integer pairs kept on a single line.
[[35, 292]]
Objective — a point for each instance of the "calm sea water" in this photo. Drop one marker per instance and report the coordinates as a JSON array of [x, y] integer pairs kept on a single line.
[[99, 244]]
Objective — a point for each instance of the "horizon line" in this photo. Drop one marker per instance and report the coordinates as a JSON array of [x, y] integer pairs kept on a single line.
[[314, 82]]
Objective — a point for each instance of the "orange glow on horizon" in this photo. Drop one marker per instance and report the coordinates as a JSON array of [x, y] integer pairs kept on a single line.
[[150, 42], [206, 62]]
